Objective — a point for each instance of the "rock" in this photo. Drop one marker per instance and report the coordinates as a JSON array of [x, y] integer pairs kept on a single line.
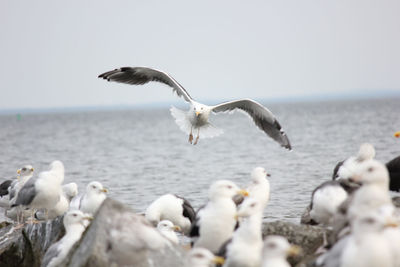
[[116, 237], [308, 237], [4, 220], [26, 246]]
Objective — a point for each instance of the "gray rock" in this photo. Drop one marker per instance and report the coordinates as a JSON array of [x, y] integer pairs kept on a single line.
[[309, 238], [118, 237], [26, 246]]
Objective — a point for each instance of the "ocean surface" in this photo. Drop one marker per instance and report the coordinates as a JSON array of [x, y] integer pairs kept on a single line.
[[141, 154]]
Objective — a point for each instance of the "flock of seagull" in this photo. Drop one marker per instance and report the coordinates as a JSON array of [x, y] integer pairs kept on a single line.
[[227, 230]]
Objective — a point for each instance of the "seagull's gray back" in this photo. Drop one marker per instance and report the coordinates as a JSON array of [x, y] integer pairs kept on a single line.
[[27, 192]]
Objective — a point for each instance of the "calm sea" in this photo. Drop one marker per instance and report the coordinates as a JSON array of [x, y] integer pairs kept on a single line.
[[141, 154]]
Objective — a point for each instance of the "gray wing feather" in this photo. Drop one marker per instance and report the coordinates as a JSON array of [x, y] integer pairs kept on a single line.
[[27, 193], [262, 117], [142, 75], [51, 253]]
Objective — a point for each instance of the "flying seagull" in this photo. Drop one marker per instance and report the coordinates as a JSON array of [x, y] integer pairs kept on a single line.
[[196, 118]]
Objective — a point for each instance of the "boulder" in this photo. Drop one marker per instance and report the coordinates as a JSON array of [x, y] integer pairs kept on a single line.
[[120, 237], [26, 246], [309, 238]]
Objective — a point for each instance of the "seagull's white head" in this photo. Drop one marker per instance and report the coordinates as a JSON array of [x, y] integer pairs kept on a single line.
[[371, 222], [258, 174], [70, 190], [95, 188], [203, 257], [225, 189], [366, 152], [75, 217], [249, 207], [166, 225], [276, 246], [371, 172], [26, 170], [200, 110]]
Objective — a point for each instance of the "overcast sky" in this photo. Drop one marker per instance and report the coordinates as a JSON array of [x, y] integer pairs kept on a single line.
[[53, 51]]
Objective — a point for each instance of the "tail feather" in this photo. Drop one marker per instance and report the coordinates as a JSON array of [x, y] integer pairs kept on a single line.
[[181, 119]]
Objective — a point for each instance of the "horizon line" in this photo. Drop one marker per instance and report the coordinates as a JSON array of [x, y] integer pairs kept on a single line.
[[325, 97]]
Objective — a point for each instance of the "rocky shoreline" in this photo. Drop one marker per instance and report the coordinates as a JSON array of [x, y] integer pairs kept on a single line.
[[110, 241]]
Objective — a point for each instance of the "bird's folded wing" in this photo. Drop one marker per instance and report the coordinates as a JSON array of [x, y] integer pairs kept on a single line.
[[142, 75], [262, 117]]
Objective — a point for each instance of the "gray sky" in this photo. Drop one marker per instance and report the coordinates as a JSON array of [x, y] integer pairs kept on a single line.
[[53, 51]]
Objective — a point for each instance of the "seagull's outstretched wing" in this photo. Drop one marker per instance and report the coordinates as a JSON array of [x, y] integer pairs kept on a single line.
[[262, 117], [142, 75]]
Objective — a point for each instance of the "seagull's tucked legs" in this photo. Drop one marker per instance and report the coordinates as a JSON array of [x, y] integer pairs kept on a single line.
[[198, 136], [191, 135]]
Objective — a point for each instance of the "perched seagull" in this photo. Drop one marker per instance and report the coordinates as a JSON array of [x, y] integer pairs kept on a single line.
[[167, 229], [275, 251], [93, 198], [325, 201], [216, 222], [196, 118], [367, 246], [259, 187], [246, 245], [74, 223], [173, 208], [374, 191], [346, 168], [43, 191], [10, 188], [202, 257]]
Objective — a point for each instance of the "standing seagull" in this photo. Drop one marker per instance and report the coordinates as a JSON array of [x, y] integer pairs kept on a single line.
[[197, 116], [42, 192]]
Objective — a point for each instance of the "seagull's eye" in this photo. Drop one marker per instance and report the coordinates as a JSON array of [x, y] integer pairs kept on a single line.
[[229, 187], [253, 205], [23, 169], [369, 221], [94, 186], [370, 169], [271, 245], [75, 214], [201, 108], [198, 255]]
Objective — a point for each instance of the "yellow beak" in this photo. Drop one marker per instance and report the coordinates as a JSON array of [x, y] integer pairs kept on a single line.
[[105, 190], [243, 192], [391, 223], [88, 217], [19, 171], [32, 169], [219, 260], [294, 250], [197, 113], [397, 134]]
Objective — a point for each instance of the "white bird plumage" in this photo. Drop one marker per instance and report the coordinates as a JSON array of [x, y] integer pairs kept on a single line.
[[173, 208], [196, 119], [167, 229], [246, 244], [93, 198], [75, 223], [216, 220]]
